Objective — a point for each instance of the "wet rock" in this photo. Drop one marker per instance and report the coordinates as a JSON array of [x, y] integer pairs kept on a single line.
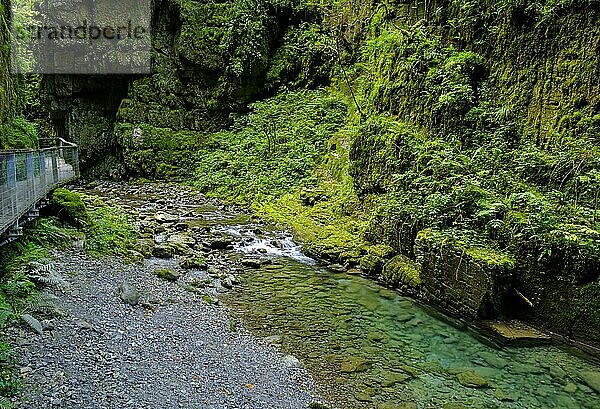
[[220, 243], [592, 379], [354, 364], [472, 380], [227, 282], [336, 267], [516, 331], [213, 272], [166, 217], [273, 339], [181, 226], [129, 294], [251, 262]]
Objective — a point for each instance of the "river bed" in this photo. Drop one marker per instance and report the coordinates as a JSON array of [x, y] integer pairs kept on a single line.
[[370, 347]]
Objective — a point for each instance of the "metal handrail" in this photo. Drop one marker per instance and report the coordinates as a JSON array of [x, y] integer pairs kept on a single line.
[[62, 143], [28, 175]]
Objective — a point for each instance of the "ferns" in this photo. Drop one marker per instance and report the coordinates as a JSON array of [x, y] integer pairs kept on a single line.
[[45, 232], [44, 273], [33, 323], [5, 403]]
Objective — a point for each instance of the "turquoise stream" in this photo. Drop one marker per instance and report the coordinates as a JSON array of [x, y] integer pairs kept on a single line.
[[369, 347]]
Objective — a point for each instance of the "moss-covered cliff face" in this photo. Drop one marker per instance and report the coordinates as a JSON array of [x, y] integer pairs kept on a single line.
[[481, 120], [15, 130], [449, 147], [211, 60]]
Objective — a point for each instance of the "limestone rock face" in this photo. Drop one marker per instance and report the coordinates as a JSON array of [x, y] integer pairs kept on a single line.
[[469, 281]]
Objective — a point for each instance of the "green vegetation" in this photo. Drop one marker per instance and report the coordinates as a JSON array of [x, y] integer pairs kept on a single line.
[[18, 133], [20, 296], [381, 132], [111, 233], [69, 206], [282, 141], [26, 264]]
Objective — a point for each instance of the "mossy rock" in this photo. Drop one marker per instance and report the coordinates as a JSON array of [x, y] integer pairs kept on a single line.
[[354, 364], [162, 251], [146, 246], [463, 272], [193, 263], [401, 271], [69, 206], [167, 274], [470, 379]]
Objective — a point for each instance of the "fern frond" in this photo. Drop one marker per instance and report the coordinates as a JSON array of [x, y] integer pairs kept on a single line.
[[5, 403], [42, 303], [33, 323], [52, 279], [4, 317], [44, 272]]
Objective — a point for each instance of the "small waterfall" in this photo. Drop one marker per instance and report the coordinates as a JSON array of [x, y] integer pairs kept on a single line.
[[274, 244]]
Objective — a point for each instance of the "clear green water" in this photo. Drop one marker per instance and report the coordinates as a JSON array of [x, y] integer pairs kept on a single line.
[[396, 351]]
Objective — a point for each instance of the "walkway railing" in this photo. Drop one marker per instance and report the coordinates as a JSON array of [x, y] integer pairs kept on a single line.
[[28, 175]]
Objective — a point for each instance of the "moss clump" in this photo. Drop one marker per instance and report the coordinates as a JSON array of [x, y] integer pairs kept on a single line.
[[18, 133], [111, 233], [166, 274], [401, 271], [70, 207], [198, 262]]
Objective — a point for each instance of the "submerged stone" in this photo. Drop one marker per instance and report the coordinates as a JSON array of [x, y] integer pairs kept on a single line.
[[492, 359], [592, 379], [570, 388], [394, 405], [354, 364], [472, 380], [365, 395], [502, 396], [376, 336], [393, 378]]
